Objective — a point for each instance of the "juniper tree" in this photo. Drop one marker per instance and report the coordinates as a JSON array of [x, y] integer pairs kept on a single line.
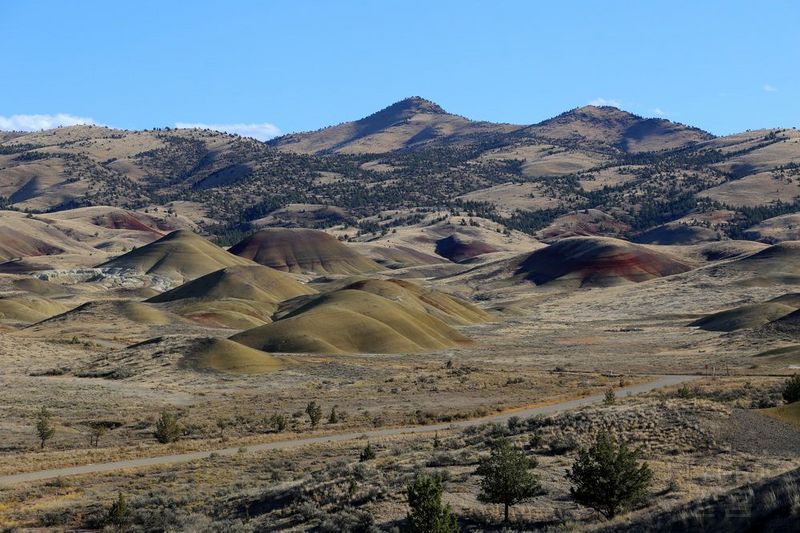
[[44, 429], [118, 513], [427, 514], [507, 476], [608, 476]]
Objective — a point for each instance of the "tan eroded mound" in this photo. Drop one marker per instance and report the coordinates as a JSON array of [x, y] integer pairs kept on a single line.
[[180, 256], [40, 287], [782, 257], [677, 233], [457, 248], [353, 321], [224, 355], [397, 257], [28, 309], [21, 236], [114, 321], [598, 261], [747, 316], [252, 282], [449, 309], [240, 297], [788, 324], [111, 310], [155, 357], [227, 313], [786, 355], [303, 250]]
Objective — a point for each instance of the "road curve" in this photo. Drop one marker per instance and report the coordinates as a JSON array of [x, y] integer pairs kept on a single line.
[[27, 477]]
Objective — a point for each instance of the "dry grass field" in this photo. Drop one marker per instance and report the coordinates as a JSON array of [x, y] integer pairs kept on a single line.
[[119, 362]]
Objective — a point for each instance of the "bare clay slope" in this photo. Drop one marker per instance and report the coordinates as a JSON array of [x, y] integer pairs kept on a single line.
[[303, 250], [240, 297], [179, 256], [351, 321], [597, 261], [369, 316]]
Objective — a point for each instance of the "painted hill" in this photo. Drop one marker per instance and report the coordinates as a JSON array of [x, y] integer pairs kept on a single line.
[[119, 322], [170, 356], [179, 256], [353, 321], [597, 261], [677, 233], [27, 236], [747, 316], [457, 248], [447, 308], [412, 122], [240, 297], [779, 262], [27, 309], [252, 282], [302, 251]]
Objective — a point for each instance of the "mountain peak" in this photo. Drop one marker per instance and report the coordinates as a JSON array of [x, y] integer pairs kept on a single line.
[[413, 105], [600, 111]]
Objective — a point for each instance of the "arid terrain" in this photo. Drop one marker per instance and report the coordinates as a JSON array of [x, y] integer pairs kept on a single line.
[[412, 269]]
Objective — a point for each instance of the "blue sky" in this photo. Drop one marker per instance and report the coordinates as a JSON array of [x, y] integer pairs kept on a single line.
[[300, 65]]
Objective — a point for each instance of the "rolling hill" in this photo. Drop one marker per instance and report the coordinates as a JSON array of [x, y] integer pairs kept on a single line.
[[179, 256], [301, 251], [240, 297], [597, 261], [373, 175], [368, 316], [410, 123], [353, 321]]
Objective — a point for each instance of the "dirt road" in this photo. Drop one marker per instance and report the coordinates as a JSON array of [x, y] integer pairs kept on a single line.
[[658, 382]]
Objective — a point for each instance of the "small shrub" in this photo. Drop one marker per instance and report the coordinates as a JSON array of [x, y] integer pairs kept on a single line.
[[562, 444], [514, 423], [278, 422], [314, 412], [791, 389], [167, 428], [610, 397], [367, 454]]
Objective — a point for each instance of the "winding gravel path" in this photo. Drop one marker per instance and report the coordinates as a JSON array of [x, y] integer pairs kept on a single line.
[[26, 477]]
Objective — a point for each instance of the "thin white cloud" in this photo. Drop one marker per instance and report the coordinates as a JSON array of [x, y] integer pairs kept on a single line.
[[41, 122], [769, 88], [262, 132], [659, 112], [600, 102]]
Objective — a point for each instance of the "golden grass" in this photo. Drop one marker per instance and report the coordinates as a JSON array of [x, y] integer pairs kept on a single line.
[[787, 413]]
